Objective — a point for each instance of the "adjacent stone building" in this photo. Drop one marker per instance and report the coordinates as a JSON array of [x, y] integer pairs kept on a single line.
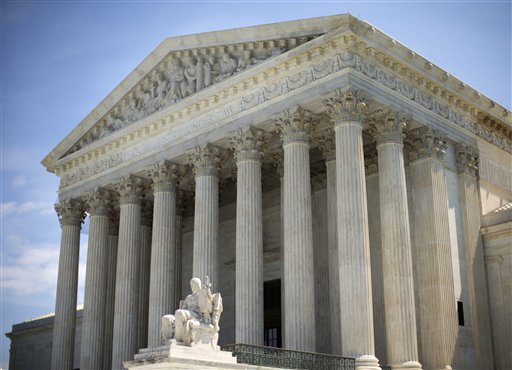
[[330, 182]]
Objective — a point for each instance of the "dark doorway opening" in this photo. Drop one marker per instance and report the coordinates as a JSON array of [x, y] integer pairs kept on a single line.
[[272, 313]]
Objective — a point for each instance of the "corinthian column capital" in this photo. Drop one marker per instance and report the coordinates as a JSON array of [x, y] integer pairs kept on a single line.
[[467, 159], [71, 212], [347, 106], [248, 144], [164, 176], [206, 160], [98, 201], [388, 125], [294, 125], [327, 143], [130, 189], [426, 142]]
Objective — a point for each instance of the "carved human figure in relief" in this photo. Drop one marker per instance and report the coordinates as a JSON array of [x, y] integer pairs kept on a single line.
[[227, 67], [190, 76], [245, 61], [160, 91], [196, 322], [199, 73], [176, 77], [211, 71]]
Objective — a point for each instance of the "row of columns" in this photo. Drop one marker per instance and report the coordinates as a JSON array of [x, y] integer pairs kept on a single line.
[[350, 267]]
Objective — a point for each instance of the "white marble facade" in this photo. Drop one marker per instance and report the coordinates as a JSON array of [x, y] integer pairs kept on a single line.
[[320, 152]]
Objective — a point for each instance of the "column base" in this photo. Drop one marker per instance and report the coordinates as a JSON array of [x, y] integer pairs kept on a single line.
[[409, 365], [367, 362]]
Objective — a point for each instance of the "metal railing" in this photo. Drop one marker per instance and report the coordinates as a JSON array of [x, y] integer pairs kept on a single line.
[[287, 358]]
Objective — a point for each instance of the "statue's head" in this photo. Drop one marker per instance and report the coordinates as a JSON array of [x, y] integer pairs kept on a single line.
[[195, 284]]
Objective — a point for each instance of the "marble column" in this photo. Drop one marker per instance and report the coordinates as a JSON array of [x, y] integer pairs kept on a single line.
[[402, 345], [467, 167], [299, 294], [163, 250], [182, 198], [374, 233], [277, 159], [328, 147], [321, 263], [346, 111], [437, 316], [495, 266], [71, 215], [206, 160], [110, 289], [247, 148], [93, 328], [144, 274], [127, 273]]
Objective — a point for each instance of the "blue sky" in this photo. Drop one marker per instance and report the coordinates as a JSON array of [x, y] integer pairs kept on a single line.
[[60, 59]]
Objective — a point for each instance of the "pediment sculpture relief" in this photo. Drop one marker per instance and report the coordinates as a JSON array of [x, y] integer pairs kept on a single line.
[[180, 75]]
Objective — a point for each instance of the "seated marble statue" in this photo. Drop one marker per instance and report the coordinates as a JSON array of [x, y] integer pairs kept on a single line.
[[196, 322]]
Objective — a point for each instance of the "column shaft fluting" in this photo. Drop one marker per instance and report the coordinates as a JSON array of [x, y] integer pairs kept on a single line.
[[467, 163], [71, 216], [322, 285], [332, 240], [402, 345], [144, 276], [127, 274], [163, 252], [356, 312], [178, 269], [353, 243], [433, 272], [374, 233], [298, 233], [110, 287], [206, 216], [249, 239], [93, 328], [328, 147]]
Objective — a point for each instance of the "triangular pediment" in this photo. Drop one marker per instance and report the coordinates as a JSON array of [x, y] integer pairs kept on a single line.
[[191, 74], [182, 66]]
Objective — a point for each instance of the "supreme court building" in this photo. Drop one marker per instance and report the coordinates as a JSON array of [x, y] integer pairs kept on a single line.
[[344, 194]]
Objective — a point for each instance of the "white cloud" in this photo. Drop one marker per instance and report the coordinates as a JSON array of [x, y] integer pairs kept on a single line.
[[17, 208], [19, 181], [33, 270], [28, 275]]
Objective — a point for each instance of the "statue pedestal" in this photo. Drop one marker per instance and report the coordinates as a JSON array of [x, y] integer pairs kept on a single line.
[[175, 355]]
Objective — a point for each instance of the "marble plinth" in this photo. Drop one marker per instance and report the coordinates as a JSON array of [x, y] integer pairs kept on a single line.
[[175, 355]]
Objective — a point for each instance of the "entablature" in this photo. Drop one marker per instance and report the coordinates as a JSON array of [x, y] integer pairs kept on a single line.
[[321, 58]]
